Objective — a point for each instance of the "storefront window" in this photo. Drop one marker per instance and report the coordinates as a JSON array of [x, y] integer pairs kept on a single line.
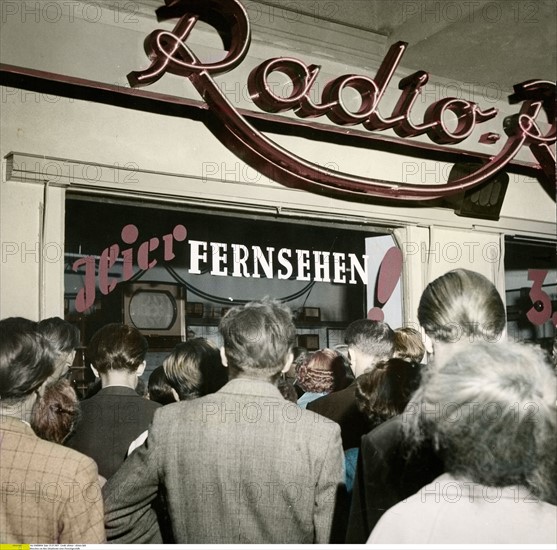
[[173, 271], [531, 290]]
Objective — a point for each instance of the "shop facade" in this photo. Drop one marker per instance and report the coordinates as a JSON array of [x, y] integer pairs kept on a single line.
[[105, 186]]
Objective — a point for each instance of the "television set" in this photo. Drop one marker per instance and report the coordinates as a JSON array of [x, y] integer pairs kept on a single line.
[[308, 341], [157, 310]]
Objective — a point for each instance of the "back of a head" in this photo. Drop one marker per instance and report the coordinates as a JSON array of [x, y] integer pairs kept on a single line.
[[461, 304], [117, 347], [159, 387], [258, 338], [491, 409], [372, 338], [287, 390], [194, 369], [62, 335], [26, 358], [385, 391], [408, 345], [322, 372], [56, 412], [63, 338]]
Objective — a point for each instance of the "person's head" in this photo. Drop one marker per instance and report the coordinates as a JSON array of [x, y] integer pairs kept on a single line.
[[194, 369], [26, 361], [116, 347], [56, 413], [461, 305], [64, 338], [491, 411], [368, 343], [19, 323], [385, 391], [322, 372], [408, 345], [159, 387], [140, 387], [287, 390], [299, 353], [258, 339]]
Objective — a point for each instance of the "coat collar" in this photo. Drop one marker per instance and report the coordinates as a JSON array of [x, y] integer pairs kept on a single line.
[[14, 424], [455, 488], [117, 390], [251, 386]]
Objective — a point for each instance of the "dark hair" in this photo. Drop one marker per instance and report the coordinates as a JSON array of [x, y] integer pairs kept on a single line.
[[287, 390], [19, 324], [62, 335], [93, 388], [141, 387], [63, 338], [26, 358], [159, 387], [372, 338], [258, 338], [385, 391], [408, 345], [117, 347], [461, 303], [194, 369], [490, 409], [56, 412]]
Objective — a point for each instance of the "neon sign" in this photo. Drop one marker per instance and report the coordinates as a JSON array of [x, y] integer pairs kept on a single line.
[[169, 52]]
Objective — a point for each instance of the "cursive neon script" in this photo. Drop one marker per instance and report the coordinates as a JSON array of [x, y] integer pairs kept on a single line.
[[112, 254], [169, 52]]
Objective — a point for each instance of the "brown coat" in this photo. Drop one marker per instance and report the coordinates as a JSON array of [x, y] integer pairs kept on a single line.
[[50, 494]]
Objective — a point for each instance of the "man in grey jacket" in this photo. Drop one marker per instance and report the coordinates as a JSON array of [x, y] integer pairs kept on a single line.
[[242, 465]]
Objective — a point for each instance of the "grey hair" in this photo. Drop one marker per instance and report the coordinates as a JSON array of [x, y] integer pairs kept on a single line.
[[490, 410], [258, 338]]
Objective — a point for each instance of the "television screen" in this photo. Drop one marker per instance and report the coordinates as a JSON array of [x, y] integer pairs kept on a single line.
[[157, 310], [152, 309]]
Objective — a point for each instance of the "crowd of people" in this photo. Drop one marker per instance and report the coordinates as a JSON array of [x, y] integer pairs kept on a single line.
[[445, 437]]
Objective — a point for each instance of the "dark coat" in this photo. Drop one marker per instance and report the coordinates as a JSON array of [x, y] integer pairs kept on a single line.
[[388, 472], [341, 407], [110, 421]]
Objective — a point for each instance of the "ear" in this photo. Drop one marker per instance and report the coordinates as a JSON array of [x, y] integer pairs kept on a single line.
[[141, 369], [175, 394], [288, 364], [428, 343], [352, 359], [223, 357], [39, 392], [95, 371]]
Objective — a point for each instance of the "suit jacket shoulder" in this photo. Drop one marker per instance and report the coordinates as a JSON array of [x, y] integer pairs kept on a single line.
[[243, 445], [110, 421], [54, 494], [342, 407]]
